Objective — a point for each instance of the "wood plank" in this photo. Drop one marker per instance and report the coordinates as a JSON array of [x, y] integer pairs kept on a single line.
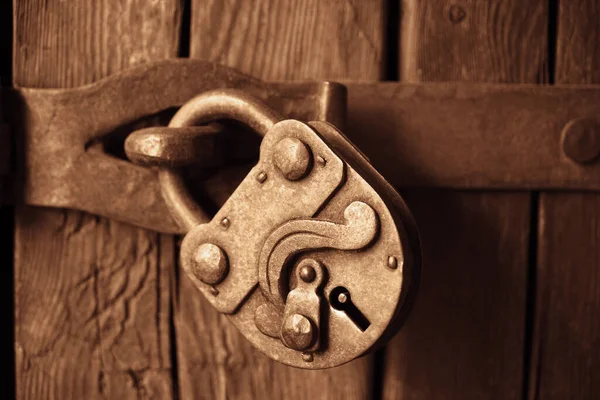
[[92, 295], [285, 40], [465, 336], [273, 39], [566, 357], [577, 42], [566, 348], [473, 41]]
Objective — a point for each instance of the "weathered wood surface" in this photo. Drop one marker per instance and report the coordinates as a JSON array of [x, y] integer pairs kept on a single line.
[[566, 347], [282, 40], [465, 336], [92, 296], [473, 41]]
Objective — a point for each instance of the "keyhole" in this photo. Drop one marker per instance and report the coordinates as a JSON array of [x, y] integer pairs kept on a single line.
[[340, 300]]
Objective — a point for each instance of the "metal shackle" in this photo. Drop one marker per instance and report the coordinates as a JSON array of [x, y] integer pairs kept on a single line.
[[204, 108]]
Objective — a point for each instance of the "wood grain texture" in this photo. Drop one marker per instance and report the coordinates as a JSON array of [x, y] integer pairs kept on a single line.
[[465, 336], [566, 358], [92, 296], [70, 43], [566, 347], [473, 40], [283, 40], [578, 42], [275, 39]]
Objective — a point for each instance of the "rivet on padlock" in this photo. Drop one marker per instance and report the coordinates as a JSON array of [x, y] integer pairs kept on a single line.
[[292, 158], [210, 264]]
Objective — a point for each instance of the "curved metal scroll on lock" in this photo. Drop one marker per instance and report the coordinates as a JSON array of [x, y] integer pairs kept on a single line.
[[360, 227], [204, 108]]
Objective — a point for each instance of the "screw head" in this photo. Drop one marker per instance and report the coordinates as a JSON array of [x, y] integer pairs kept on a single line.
[[210, 264], [581, 140], [298, 332], [293, 158], [307, 273], [225, 222], [392, 262], [261, 177]]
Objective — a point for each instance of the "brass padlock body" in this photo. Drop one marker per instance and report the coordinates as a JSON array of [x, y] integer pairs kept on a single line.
[[314, 257]]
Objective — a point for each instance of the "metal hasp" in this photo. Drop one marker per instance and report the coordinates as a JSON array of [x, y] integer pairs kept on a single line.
[[314, 257], [64, 136], [440, 135]]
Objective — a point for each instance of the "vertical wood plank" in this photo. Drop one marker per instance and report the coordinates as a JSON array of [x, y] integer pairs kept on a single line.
[[473, 41], [578, 42], [284, 40], [275, 40], [92, 296], [566, 354], [465, 336]]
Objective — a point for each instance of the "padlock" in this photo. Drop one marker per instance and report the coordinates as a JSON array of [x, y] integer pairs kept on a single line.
[[314, 257]]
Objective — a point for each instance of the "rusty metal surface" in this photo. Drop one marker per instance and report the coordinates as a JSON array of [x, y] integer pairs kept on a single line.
[[61, 164], [581, 140], [409, 260], [176, 147], [353, 236], [492, 136], [329, 242], [249, 211], [472, 135], [207, 107]]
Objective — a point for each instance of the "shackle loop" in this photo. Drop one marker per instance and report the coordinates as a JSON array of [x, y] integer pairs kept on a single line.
[[205, 108]]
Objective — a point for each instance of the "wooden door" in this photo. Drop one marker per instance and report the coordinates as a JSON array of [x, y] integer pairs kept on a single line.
[[510, 293]]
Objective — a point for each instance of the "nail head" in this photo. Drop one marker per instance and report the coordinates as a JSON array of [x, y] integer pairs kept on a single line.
[[392, 262], [261, 177], [581, 140], [225, 222]]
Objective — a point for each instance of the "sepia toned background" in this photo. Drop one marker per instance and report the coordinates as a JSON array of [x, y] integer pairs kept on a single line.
[[510, 298]]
